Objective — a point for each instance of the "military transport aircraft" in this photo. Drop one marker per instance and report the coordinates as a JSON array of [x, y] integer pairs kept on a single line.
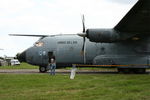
[[126, 46]]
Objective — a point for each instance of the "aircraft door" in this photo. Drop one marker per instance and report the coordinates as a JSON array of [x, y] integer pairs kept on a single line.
[[50, 54], [42, 56]]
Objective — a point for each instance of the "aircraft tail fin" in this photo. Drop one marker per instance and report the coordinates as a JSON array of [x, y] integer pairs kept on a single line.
[[137, 20]]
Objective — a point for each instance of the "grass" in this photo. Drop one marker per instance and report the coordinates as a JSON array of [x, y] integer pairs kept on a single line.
[[83, 87], [21, 66]]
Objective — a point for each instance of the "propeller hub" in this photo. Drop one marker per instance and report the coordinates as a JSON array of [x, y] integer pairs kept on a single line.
[[82, 34]]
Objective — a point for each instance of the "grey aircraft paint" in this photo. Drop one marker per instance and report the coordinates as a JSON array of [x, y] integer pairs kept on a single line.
[[67, 50]]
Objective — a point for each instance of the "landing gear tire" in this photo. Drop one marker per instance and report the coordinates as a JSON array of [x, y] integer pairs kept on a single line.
[[120, 70], [132, 70], [42, 69], [140, 70], [124, 70]]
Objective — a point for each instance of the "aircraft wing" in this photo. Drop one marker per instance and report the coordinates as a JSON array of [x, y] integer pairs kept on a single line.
[[29, 35], [137, 20]]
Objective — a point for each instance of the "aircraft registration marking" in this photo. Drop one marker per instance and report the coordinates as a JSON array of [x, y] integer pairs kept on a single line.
[[67, 42]]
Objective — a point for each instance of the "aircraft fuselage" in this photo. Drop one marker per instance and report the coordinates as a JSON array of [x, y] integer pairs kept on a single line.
[[132, 53]]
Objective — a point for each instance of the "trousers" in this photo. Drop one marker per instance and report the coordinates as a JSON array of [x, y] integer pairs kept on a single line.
[[52, 68]]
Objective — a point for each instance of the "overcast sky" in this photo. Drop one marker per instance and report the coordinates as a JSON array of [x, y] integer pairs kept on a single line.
[[54, 17]]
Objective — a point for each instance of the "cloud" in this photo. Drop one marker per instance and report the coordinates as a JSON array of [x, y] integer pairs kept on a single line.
[[106, 12], [10, 7], [123, 1]]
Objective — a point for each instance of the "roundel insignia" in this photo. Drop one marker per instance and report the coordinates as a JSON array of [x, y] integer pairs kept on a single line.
[[44, 52], [40, 53]]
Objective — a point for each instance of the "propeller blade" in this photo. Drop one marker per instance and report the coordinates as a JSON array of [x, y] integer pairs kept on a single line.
[[83, 44], [83, 34], [83, 23], [83, 49]]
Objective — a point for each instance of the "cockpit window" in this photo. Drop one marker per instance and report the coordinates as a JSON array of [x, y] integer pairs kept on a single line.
[[39, 44]]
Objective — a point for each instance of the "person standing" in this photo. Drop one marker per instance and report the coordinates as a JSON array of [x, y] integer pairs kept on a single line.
[[52, 65]]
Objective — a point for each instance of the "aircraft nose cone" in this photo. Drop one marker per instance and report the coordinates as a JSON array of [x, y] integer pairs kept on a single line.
[[22, 57]]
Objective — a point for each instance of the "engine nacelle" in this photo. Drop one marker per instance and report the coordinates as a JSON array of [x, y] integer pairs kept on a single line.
[[102, 35]]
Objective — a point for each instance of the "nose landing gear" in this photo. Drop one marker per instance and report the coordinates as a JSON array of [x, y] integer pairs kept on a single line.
[[42, 69]]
